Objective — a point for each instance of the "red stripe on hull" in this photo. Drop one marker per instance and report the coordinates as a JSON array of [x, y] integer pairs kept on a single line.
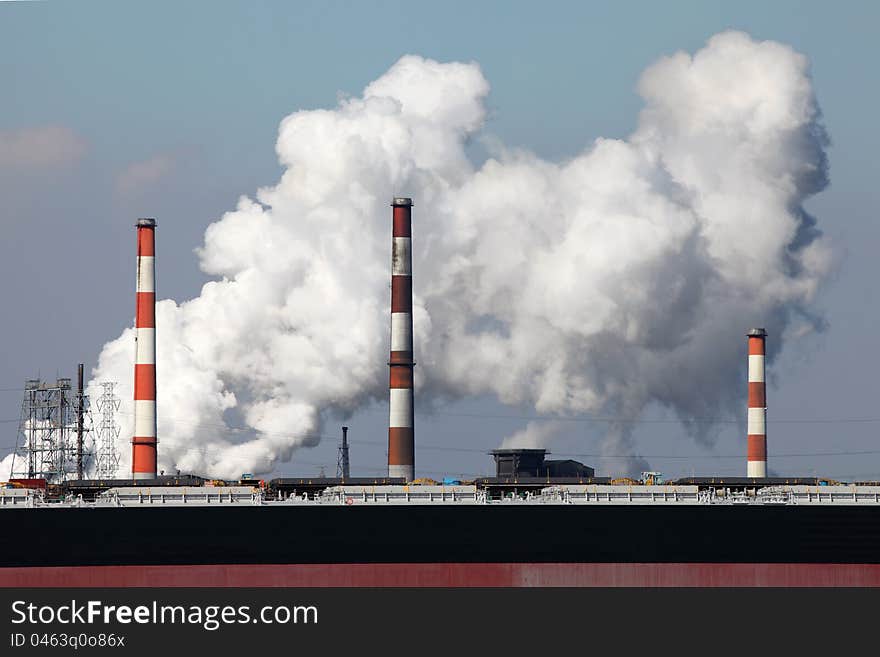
[[449, 575]]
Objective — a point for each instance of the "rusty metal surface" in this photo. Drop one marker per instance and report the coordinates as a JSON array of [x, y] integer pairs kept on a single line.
[[451, 575]]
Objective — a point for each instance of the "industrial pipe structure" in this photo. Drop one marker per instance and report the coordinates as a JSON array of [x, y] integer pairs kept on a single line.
[[143, 442], [80, 427], [401, 438], [757, 420]]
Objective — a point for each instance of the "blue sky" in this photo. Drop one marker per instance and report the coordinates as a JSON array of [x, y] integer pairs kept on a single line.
[[194, 92]]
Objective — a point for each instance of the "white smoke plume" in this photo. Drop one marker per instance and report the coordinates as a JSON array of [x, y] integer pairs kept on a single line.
[[623, 277], [533, 435]]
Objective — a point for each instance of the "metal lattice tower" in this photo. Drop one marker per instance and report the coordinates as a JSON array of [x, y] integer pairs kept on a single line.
[[342, 465], [46, 447], [106, 455]]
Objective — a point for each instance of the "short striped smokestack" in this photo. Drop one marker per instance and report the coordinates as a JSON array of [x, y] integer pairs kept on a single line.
[[757, 421], [401, 438], [143, 442]]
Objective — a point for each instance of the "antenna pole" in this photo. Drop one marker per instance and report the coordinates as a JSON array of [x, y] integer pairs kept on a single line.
[[79, 421]]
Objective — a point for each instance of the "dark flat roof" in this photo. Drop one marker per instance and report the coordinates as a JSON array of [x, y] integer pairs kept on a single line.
[[748, 481], [539, 481], [167, 480], [518, 450], [336, 481]]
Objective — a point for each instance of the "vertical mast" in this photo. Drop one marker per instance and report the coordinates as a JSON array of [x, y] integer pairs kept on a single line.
[[79, 421]]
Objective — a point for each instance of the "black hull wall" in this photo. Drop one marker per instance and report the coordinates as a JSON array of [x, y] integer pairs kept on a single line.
[[495, 533]]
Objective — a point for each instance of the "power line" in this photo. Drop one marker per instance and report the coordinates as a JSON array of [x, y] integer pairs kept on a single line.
[[623, 420], [232, 429], [250, 430], [244, 429], [205, 449], [427, 415], [714, 456]]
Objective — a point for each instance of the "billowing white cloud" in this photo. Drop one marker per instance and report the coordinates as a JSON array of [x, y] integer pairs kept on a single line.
[[138, 176], [6, 466], [622, 277], [40, 147]]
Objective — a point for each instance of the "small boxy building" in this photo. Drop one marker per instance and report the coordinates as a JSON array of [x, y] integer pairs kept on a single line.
[[532, 462]]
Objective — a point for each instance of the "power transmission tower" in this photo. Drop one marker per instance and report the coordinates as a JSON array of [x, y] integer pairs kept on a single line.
[[107, 457], [48, 430]]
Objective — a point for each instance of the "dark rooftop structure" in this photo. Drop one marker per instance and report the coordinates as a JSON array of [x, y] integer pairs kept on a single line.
[[532, 462]]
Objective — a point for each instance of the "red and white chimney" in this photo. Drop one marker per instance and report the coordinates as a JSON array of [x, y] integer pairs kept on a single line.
[[401, 438], [757, 421], [143, 442]]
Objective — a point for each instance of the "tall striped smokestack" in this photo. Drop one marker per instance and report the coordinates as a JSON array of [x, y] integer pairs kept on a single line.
[[757, 422], [143, 442], [401, 438]]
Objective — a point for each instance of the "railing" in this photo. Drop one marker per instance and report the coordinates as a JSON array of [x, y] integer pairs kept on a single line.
[[610, 494], [596, 494], [349, 495], [176, 496]]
